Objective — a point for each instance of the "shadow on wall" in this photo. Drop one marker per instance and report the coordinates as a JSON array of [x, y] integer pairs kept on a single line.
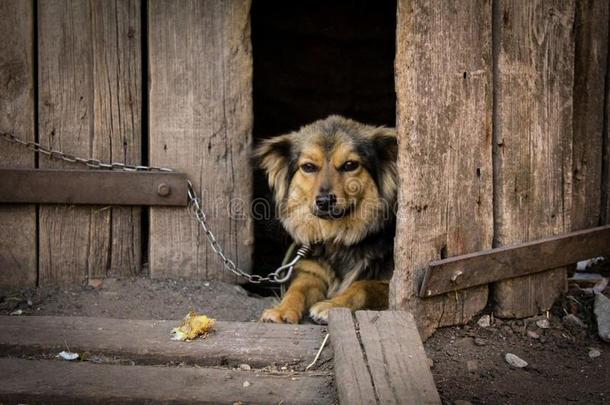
[[313, 59]]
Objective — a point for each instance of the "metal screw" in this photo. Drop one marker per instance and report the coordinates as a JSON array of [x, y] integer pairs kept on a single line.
[[163, 190], [456, 275]]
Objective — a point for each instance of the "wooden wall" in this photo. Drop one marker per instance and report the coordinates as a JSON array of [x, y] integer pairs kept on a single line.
[[132, 81], [506, 145]]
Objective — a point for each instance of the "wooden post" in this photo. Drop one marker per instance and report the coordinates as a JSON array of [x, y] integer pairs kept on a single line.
[[534, 81], [90, 85], [17, 223], [200, 124], [591, 54], [444, 89]]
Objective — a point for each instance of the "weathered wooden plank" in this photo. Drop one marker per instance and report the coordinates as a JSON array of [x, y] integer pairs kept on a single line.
[[396, 358], [443, 84], [488, 266], [18, 256], [45, 381], [200, 124], [591, 55], [115, 187], [232, 343], [354, 384], [534, 83], [89, 106]]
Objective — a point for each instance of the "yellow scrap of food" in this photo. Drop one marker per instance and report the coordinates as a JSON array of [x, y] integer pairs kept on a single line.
[[192, 326]]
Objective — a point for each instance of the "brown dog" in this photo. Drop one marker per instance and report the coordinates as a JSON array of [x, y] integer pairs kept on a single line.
[[334, 183]]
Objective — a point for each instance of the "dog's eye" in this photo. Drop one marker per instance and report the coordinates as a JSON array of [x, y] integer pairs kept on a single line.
[[309, 167], [349, 166]]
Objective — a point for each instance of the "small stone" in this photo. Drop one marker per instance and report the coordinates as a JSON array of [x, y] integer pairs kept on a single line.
[[16, 312], [245, 367], [284, 368], [480, 341], [515, 360], [543, 323], [484, 321], [206, 284], [95, 282], [593, 352], [472, 366], [246, 384], [602, 314], [533, 334], [573, 320]]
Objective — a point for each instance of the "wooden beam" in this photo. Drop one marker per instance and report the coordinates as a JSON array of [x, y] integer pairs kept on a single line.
[[147, 342], [485, 267], [47, 381], [102, 187], [396, 358], [354, 384]]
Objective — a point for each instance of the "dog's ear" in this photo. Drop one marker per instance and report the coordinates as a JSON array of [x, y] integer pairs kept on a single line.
[[385, 144], [273, 156]]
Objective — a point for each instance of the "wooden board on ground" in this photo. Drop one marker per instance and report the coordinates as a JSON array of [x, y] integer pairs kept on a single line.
[[46, 381], [380, 359], [18, 255], [396, 358], [89, 106], [591, 55], [444, 90], [201, 124], [148, 342], [533, 140], [486, 267], [354, 384]]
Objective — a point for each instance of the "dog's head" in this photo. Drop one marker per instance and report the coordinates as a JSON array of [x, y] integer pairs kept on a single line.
[[333, 180]]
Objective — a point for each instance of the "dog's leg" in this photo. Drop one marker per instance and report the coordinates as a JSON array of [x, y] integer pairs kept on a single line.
[[364, 294], [310, 284]]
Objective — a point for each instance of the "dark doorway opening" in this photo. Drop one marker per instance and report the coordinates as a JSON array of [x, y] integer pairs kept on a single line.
[[313, 59]]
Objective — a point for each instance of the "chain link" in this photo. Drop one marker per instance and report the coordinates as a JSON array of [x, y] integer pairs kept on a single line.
[[281, 275]]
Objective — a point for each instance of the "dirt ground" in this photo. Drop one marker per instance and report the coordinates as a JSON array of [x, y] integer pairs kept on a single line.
[[468, 362]]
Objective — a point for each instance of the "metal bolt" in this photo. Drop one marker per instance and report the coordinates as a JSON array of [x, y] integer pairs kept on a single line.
[[163, 190]]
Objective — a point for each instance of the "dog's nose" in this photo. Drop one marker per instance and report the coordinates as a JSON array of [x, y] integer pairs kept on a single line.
[[326, 201]]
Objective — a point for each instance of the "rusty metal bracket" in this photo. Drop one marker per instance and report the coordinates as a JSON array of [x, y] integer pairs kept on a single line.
[[470, 270], [98, 187]]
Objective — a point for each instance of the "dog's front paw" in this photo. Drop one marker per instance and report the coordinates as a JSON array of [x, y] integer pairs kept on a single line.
[[319, 312], [280, 315]]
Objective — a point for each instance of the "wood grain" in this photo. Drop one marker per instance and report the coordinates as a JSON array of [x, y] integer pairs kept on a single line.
[[396, 358], [18, 256], [591, 57], [148, 342], [200, 124], [89, 70], [354, 384], [48, 381], [444, 90], [533, 140]]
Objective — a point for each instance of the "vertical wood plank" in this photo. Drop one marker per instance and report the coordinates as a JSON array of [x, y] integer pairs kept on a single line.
[[444, 90], [591, 54], [533, 140], [89, 102], [200, 123], [17, 222], [117, 79]]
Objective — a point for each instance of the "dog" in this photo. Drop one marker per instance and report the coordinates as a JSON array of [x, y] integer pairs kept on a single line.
[[334, 183]]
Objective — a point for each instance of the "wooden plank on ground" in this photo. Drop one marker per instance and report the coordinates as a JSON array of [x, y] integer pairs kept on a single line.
[[18, 256], [591, 54], [352, 377], [444, 90], [47, 381], [90, 81], [534, 84], [148, 342], [396, 358], [498, 264], [200, 124]]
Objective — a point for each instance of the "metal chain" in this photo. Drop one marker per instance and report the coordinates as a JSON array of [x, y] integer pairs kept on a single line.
[[281, 275]]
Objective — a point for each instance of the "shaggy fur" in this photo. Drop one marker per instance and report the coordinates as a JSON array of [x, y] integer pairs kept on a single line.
[[352, 243]]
